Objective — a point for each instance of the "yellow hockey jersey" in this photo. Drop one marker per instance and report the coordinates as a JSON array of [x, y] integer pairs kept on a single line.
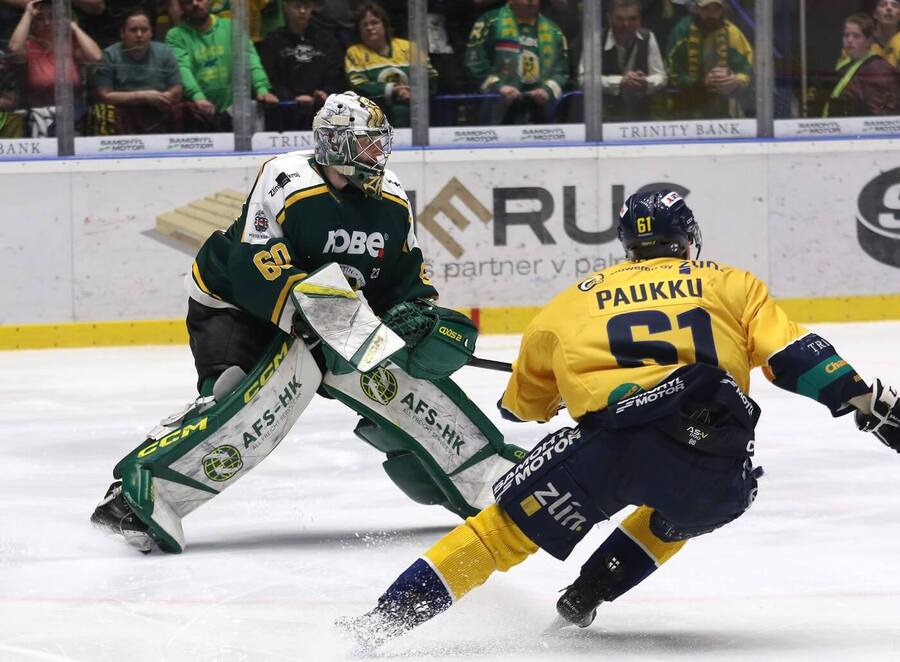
[[624, 329]]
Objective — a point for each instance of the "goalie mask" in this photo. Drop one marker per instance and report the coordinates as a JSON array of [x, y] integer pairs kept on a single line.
[[353, 136], [657, 224]]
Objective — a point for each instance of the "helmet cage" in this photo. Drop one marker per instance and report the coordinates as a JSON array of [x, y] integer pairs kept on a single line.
[[353, 151], [352, 135]]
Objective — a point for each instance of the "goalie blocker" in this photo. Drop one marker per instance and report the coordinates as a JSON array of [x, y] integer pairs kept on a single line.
[[441, 448]]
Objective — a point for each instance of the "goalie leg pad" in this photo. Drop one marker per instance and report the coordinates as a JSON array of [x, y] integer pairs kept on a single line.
[[183, 465], [411, 476], [458, 448]]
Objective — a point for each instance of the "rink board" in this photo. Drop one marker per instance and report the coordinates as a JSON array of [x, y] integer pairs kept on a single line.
[[503, 229]]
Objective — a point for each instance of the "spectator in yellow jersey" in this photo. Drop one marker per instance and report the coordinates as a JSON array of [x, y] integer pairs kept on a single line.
[[652, 358], [378, 66], [710, 62], [867, 84], [522, 55]]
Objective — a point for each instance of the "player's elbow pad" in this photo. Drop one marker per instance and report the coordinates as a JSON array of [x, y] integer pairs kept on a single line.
[[810, 366]]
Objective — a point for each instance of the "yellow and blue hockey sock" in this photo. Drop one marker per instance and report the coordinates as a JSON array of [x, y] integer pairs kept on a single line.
[[629, 555], [457, 563]]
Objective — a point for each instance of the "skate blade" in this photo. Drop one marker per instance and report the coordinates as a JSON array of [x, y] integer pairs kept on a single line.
[[141, 542]]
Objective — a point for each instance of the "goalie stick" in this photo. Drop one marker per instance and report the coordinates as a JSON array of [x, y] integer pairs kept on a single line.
[[489, 364]]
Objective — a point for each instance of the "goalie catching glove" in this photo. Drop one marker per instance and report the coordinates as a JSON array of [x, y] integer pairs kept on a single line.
[[884, 419], [439, 341]]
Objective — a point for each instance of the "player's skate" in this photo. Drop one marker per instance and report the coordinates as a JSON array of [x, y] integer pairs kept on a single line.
[[114, 516], [578, 605], [579, 601]]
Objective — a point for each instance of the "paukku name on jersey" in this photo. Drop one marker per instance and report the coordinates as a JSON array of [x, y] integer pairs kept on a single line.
[[663, 290]]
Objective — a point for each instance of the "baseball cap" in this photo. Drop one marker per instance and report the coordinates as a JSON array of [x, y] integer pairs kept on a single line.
[[704, 3]]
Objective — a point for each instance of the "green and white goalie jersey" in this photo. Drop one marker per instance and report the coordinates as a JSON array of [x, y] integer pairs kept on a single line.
[[294, 222]]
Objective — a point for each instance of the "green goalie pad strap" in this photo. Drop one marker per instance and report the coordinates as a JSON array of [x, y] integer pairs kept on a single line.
[[189, 459], [445, 347], [810, 366], [457, 453]]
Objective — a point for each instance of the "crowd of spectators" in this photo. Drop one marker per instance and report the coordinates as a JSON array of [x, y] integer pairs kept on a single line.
[[148, 66]]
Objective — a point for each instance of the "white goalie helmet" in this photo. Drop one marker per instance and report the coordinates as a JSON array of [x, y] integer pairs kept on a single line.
[[353, 136]]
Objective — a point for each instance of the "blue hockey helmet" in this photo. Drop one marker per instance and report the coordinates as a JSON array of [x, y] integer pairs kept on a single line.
[[657, 224]]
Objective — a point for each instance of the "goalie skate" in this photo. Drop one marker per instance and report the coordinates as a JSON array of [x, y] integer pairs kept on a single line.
[[113, 516]]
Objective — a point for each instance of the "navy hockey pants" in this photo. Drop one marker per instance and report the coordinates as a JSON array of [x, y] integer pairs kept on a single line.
[[579, 476]]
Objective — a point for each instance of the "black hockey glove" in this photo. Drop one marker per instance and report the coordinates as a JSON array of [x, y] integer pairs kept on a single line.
[[884, 421]]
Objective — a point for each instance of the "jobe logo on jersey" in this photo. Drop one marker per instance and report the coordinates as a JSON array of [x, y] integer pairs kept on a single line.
[[355, 243]]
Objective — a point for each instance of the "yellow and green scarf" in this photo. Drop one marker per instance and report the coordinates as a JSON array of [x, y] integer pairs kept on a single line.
[[694, 49], [508, 49]]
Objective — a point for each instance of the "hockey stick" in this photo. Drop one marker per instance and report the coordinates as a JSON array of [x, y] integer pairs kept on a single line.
[[502, 366]]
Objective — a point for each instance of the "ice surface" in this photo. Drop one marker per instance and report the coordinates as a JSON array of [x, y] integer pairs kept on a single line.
[[318, 531]]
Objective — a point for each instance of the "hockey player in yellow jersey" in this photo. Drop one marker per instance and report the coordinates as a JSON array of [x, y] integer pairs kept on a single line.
[[652, 358]]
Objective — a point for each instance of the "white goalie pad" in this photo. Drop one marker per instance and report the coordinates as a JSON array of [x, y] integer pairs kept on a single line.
[[434, 420], [343, 320], [227, 439]]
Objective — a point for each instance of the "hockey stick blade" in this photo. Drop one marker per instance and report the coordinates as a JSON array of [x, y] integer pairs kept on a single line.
[[478, 362]]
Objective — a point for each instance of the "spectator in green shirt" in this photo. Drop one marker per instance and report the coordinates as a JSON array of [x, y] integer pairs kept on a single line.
[[202, 47]]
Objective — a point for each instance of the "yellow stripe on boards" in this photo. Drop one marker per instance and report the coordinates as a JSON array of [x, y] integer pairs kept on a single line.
[[843, 309], [505, 320], [93, 334], [509, 320]]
